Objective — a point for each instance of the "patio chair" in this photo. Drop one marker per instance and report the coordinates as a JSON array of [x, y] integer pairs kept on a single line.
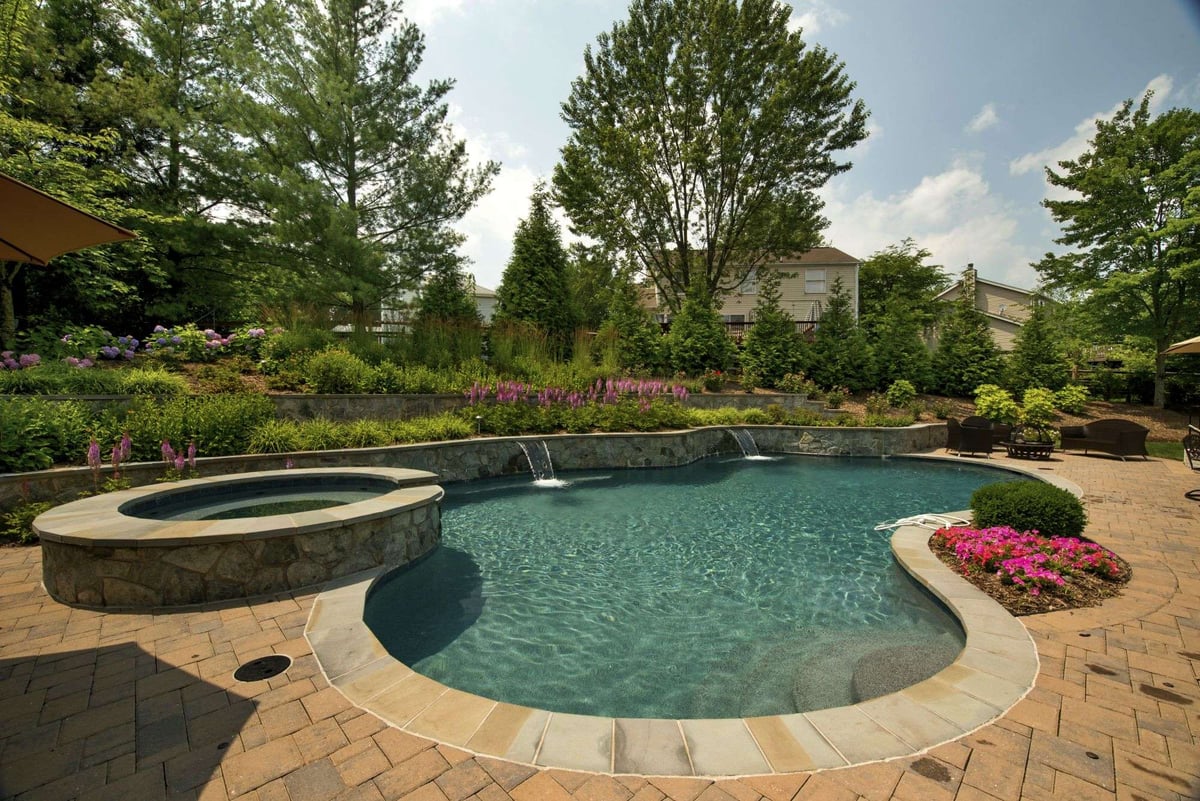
[[953, 434], [1191, 452], [975, 439]]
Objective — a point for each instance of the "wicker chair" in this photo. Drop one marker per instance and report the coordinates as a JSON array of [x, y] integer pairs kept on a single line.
[[1191, 452], [1116, 436], [973, 435]]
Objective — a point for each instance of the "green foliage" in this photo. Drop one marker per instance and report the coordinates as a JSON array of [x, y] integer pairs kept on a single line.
[[445, 426], [220, 425], [638, 339], [367, 434], [220, 377], [25, 442], [447, 297], [1037, 409], [697, 340], [337, 371], [151, 381], [517, 347], [898, 276], [901, 393], [1072, 398], [1036, 359], [1131, 215], [591, 278], [876, 405], [16, 525], [534, 286], [799, 384], [1029, 506], [710, 115], [996, 404], [836, 396], [321, 434], [966, 355], [446, 342], [898, 345], [275, 436], [771, 349], [840, 353], [941, 408]]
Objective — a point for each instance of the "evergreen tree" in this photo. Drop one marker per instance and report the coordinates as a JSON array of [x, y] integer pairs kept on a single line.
[[592, 282], [772, 347], [900, 349], [840, 353], [639, 339], [1036, 359], [697, 340], [966, 354], [534, 288], [447, 295], [898, 274], [356, 167]]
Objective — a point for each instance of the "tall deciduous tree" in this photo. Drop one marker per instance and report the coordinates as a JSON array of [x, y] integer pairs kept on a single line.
[[700, 131], [591, 277], [534, 285], [898, 274], [359, 174], [1135, 221]]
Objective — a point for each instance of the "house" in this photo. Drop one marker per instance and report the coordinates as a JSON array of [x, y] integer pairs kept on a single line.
[[485, 303], [1006, 307], [804, 290]]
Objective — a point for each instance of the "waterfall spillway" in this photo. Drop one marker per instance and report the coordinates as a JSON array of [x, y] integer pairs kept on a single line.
[[538, 455], [746, 442]]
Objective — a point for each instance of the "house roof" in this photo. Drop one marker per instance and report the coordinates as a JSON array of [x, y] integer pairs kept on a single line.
[[989, 282], [484, 292], [821, 256]]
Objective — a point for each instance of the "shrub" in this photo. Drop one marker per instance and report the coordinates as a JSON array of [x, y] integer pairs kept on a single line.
[[448, 425], [876, 404], [697, 340], [152, 381], [1029, 506], [836, 396], [941, 408], [1072, 398], [220, 378], [1038, 412], [367, 434], [321, 434], [275, 436], [25, 439], [901, 393], [996, 404], [220, 425], [337, 371], [16, 525], [750, 380]]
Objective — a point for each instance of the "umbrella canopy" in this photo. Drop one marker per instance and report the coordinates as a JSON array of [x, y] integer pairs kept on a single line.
[[1186, 346], [35, 227]]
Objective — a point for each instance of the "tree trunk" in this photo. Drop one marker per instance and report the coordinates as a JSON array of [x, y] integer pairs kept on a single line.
[[8, 313], [1160, 375]]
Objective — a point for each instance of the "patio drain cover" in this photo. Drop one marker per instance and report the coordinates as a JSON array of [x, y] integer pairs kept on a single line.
[[263, 668]]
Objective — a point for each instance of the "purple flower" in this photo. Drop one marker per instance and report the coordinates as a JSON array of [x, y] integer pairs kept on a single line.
[[158, 329], [168, 453], [126, 446], [180, 461], [191, 455], [65, 338], [288, 464], [128, 354], [110, 351], [175, 340], [29, 360], [93, 454]]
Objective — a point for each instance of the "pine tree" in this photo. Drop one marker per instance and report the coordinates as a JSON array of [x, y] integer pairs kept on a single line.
[[534, 287], [1036, 360], [639, 340], [772, 346], [840, 353], [697, 340], [966, 355], [900, 349], [447, 295]]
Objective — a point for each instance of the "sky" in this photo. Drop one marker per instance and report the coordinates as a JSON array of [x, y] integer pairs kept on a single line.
[[970, 100]]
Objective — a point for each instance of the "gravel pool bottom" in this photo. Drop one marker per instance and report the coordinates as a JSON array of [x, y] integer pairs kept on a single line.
[[725, 588]]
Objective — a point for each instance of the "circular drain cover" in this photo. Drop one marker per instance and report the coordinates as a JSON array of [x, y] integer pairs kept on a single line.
[[263, 668]]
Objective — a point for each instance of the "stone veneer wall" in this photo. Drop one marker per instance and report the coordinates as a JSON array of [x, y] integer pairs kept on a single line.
[[175, 575], [462, 460]]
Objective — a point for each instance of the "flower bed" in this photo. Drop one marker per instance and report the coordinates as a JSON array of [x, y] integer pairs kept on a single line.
[[1028, 573]]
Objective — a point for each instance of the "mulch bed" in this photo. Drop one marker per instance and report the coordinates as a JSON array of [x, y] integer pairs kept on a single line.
[[1081, 589]]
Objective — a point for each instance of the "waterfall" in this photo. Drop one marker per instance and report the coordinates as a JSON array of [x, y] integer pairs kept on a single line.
[[749, 447], [538, 455]]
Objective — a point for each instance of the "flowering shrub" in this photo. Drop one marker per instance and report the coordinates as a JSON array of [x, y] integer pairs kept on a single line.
[[1026, 559], [714, 380], [14, 361]]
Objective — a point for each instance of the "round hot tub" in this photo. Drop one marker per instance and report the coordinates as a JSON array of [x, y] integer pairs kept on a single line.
[[236, 536]]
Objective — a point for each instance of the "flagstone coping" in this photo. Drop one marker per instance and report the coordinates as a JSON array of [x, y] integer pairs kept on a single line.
[[993, 672]]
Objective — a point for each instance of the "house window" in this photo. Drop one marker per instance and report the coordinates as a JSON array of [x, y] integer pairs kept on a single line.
[[749, 285], [814, 282], [734, 318]]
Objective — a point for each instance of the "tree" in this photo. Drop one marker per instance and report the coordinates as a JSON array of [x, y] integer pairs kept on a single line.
[[639, 340], [700, 132], [357, 170], [898, 274], [772, 346], [448, 295], [840, 353], [1037, 358], [591, 281], [1134, 217], [697, 340], [898, 342], [534, 285], [966, 354]]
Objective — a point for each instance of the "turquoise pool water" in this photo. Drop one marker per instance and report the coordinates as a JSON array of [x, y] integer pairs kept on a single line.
[[726, 588]]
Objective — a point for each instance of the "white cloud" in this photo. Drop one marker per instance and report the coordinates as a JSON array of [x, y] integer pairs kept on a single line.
[[1075, 145], [424, 13], [953, 214], [986, 118], [816, 14]]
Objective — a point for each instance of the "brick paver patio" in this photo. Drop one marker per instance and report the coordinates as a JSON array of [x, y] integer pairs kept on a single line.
[[138, 706]]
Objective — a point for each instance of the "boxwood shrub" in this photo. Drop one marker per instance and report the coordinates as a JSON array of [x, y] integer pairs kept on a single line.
[[1029, 506]]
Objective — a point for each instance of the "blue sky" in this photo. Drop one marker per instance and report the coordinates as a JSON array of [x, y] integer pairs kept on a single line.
[[969, 101]]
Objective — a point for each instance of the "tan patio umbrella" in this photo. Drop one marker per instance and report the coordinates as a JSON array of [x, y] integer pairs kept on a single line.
[[34, 227], [1186, 346]]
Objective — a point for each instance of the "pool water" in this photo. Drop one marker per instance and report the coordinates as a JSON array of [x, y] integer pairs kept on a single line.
[[277, 496], [726, 588]]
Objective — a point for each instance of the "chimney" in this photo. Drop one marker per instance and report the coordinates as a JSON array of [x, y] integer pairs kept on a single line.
[[968, 282]]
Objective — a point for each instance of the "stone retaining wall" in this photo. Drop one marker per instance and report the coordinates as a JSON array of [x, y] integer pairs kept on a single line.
[[461, 460]]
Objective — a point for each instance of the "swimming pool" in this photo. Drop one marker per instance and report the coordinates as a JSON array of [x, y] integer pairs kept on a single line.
[[725, 588]]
